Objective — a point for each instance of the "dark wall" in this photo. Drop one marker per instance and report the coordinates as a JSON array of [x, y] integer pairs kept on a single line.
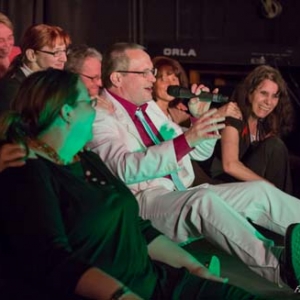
[[201, 31], [224, 31], [94, 22]]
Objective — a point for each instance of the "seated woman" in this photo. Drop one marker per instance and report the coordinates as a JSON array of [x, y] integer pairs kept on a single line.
[[7, 49], [251, 148], [69, 228], [170, 72], [43, 46]]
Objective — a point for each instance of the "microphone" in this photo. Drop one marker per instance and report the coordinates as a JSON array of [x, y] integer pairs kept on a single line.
[[182, 92]]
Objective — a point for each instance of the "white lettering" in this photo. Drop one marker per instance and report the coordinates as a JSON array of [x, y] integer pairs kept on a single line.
[[179, 52], [167, 51]]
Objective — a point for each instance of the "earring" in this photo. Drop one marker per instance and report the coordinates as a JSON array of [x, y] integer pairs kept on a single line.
[[66, 120]]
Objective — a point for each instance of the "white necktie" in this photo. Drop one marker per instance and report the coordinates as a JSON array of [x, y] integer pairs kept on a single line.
[[178, 183]]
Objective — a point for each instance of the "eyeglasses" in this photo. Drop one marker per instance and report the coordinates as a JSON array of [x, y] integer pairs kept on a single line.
[[92, 102], [92, 78], [56, 53], [145, 73]]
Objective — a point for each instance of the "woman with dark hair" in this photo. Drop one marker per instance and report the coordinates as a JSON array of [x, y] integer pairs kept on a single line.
[[251, 148], [70, 229], [43, 46], [170, 72]]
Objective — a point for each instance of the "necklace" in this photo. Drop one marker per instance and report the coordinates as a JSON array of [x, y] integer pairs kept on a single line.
[[51, 153]]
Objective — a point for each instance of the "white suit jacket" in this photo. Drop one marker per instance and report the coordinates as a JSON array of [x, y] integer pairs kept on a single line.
[[117, 141]]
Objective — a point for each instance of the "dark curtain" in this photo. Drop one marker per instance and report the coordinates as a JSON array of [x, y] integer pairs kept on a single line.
[[94, 22], [220, 31]]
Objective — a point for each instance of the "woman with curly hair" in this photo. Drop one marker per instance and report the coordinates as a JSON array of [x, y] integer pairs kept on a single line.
[[251, 148]]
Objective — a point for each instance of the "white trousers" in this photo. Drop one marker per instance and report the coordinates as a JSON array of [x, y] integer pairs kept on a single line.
[[219, 213]]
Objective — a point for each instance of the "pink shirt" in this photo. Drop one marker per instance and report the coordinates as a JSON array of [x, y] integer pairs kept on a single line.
[[14, 52], [180, 144]]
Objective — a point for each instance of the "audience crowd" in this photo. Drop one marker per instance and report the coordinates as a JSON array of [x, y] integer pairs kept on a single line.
[[103, 174]]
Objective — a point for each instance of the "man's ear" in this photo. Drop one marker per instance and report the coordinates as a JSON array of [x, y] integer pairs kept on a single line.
[[30, 55], [116, 78], [66, 113]]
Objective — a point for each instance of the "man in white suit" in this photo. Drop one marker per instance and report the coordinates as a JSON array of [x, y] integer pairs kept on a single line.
[[218, 212]]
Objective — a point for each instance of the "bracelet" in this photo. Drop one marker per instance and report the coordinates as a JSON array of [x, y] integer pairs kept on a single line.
[[119, 292]]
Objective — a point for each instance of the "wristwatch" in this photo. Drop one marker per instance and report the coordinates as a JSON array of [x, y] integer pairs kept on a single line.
[[119, 292]]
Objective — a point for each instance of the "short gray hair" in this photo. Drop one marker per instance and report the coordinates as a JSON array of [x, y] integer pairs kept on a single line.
[[6, 21], [78, 54], [115, 58]]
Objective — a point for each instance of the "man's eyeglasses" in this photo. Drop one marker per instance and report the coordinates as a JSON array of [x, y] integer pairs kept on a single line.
[[145, 73], [92, 78], [56, 53], [92, 102]]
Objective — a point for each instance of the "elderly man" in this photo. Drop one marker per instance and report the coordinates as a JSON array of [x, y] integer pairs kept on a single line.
[[7, 49], [86, 61]]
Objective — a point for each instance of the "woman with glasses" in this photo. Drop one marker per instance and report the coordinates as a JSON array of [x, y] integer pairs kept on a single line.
[[70, 229], [43, 46]]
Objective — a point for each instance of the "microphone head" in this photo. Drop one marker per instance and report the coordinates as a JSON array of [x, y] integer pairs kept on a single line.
[[174, 90], [218, 98]]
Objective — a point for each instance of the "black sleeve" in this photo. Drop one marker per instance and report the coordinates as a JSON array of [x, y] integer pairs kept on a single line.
[[34, 231], [8, 91], [236, 123]]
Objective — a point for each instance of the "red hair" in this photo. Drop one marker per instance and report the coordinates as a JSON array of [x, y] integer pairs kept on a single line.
[[38, 36]]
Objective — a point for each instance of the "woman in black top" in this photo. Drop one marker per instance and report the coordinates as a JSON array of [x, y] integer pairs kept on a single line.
[[251, 148]]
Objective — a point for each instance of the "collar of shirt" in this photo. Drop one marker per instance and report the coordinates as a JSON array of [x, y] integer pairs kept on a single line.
[[129, 107], [26, 70]]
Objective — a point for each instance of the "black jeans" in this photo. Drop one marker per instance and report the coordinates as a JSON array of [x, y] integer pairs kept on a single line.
[[269, 159]]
